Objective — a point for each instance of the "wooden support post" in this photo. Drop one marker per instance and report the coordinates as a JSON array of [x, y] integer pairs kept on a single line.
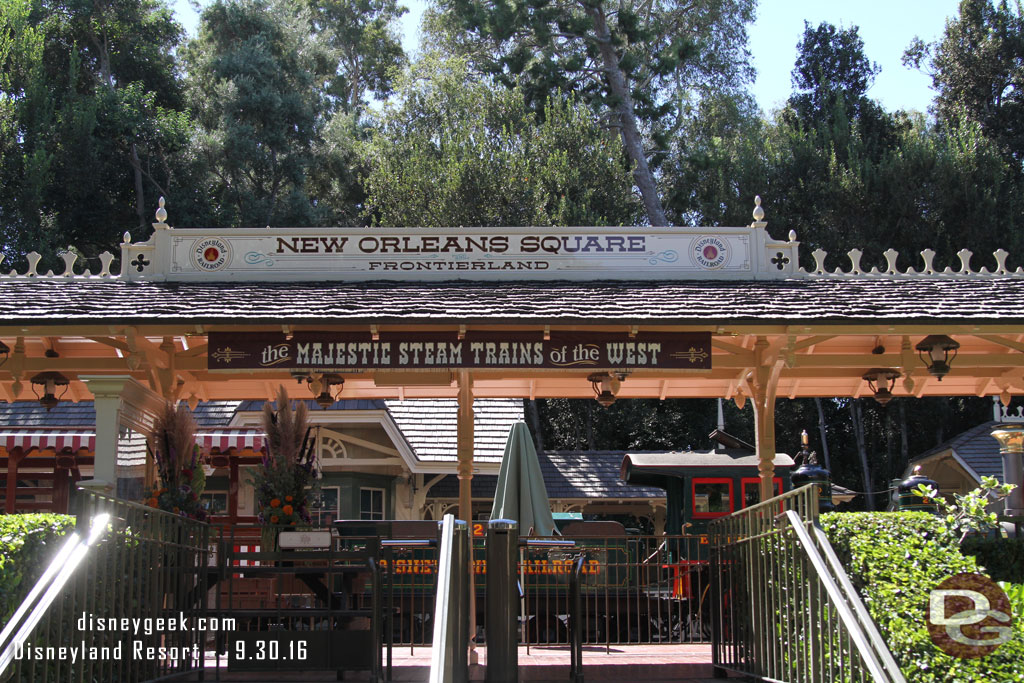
[[13, 458], [464, 447], [107, 401], [233, 486], [61, 489], [765, 384]]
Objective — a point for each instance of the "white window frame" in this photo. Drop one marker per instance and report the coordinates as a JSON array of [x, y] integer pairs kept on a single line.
[[383, 501], [317, 514]]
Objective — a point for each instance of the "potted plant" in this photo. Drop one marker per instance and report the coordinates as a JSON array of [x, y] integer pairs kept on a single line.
[[286, 474], [179, 471]]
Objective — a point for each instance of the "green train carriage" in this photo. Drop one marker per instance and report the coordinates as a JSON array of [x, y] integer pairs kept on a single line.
[[634, 587]]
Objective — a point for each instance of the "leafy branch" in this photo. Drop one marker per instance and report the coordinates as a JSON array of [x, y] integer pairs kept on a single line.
[[969, 512]]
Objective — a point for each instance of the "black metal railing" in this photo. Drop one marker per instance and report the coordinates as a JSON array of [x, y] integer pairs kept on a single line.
[[127, 603], [633, 589], [317, 607], [576, 623]]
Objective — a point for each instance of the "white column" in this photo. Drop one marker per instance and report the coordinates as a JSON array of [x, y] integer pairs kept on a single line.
[[119, 400], [1011, 448]]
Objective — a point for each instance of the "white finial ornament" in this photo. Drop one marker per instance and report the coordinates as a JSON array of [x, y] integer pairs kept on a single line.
[[33, 263], [758, 214], [161, 213], [69, 257]]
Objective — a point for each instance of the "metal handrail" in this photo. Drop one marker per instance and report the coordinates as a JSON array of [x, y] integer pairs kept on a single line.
[[787, 609], [449, 656], [869, 643], [759, 517], [852, 598]]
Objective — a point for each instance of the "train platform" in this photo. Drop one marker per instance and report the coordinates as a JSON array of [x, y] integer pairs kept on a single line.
[[682, 663]]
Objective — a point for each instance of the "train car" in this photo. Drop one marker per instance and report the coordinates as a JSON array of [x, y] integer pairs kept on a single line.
[[701, 486], [635, 588]]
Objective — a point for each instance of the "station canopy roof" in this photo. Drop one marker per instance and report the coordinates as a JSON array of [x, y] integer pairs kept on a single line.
[[528, 312]]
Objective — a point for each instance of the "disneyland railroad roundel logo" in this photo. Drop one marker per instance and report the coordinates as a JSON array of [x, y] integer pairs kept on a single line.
[[709, 252], [969, 616], [210, 253]]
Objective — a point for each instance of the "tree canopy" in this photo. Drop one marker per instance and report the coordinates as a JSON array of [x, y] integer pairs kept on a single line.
[[636, 64], [454, 151], [91, 116], [255, 89], [977, 69]]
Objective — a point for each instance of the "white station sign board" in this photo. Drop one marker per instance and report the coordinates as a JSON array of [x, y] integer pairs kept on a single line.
[[304, 540], [459, 254]]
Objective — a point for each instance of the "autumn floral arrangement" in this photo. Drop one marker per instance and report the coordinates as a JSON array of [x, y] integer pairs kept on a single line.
[[179, 471], [286, 474]]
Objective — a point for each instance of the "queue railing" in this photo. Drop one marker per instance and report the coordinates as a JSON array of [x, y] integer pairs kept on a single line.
[[633, 590], [785, 609]]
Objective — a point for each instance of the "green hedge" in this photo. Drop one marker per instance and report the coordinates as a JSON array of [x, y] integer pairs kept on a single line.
[[27, 542], [1002, 558], [894, 560]]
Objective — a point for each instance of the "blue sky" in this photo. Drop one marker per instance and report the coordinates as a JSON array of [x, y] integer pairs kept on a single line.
[[886, 26]]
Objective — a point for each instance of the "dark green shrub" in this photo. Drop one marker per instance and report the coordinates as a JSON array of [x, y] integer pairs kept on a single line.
[[1002, 558], [894, 560], [27, 543]]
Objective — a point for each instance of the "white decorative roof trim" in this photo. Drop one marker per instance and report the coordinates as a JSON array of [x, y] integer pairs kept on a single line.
[[484, 254]]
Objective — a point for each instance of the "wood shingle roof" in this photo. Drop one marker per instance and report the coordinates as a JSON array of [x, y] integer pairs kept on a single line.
[[934, 299]]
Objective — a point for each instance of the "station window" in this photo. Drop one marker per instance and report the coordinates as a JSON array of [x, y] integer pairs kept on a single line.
[[214, 502], [712, 497], [324, 509], [751, 487], [371, 503]]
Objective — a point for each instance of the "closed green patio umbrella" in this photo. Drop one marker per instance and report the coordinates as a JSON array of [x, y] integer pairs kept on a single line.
[[521, 494]]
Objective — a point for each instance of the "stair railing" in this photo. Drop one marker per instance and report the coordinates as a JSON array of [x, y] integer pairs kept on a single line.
[[449, 657], [786, 610]]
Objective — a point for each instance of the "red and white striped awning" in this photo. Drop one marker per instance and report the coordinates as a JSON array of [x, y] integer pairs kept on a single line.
[[28, 439], [226, 439], [45, 439]]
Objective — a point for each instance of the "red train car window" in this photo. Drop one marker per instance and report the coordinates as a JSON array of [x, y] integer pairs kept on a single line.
[[751, 487], [712, 497]]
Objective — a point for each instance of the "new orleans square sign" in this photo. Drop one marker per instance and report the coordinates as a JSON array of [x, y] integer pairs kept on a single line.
[[451, 254], [328, 351], [438, 254]]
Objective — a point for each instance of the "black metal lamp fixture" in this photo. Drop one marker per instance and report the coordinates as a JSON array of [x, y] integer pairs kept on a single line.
[[5, 351], [934, 352], [321, 385], [605, 386], [49, 381], [882, 381]]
